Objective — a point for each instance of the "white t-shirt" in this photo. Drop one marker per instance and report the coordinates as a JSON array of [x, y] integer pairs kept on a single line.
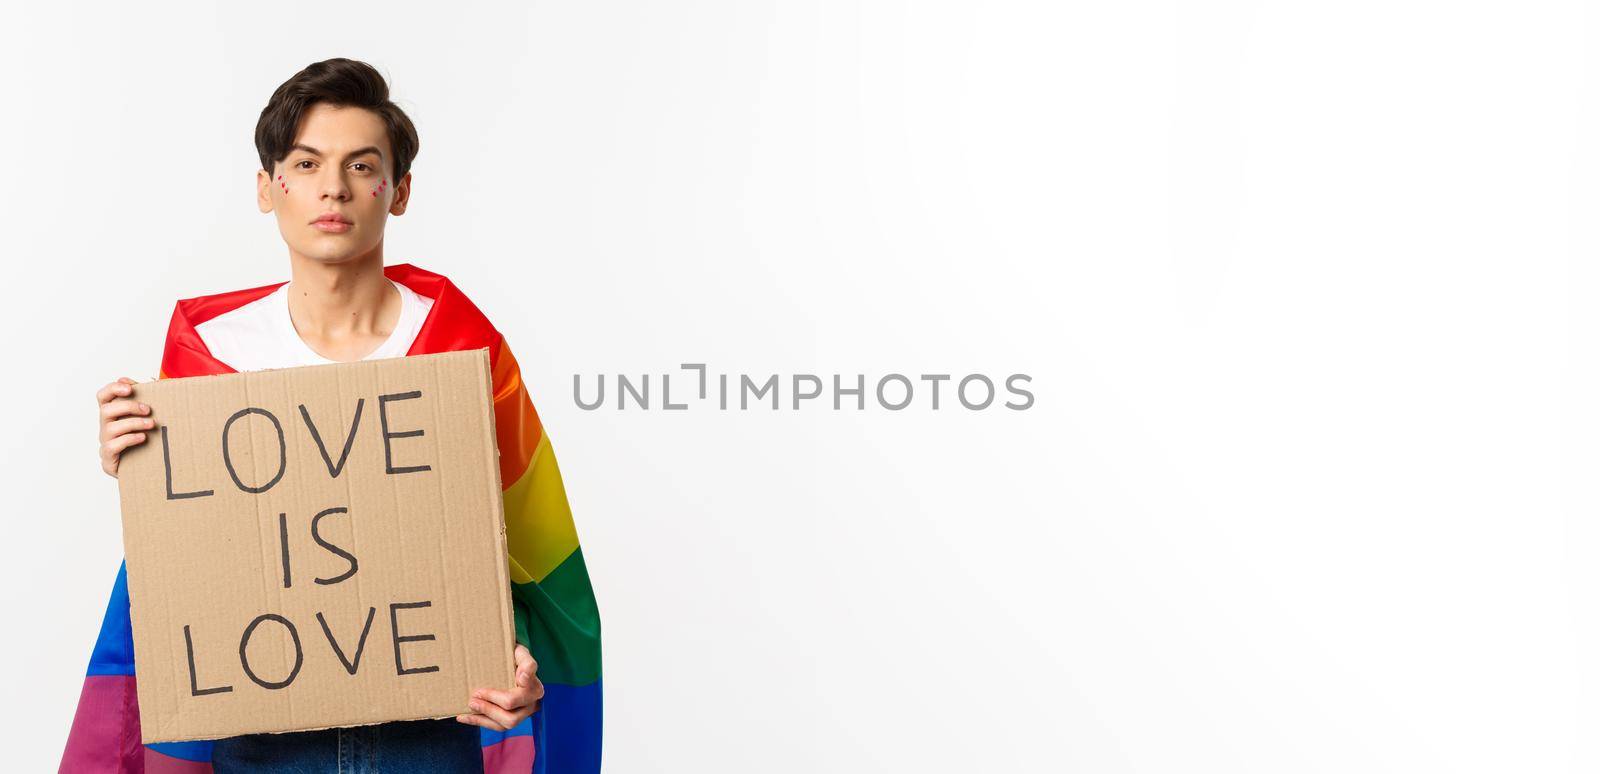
[[261, 334]]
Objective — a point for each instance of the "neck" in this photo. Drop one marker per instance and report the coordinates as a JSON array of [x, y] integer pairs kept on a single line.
[[330, 301]]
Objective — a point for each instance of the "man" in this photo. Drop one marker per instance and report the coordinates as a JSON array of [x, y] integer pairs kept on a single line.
[[335, 164]]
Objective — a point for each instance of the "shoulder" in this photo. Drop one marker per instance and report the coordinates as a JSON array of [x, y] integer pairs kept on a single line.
[[454, 321], [198, 310], [233, 314]]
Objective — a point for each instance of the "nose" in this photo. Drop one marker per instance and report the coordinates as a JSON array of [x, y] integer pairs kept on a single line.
[[334, 186]]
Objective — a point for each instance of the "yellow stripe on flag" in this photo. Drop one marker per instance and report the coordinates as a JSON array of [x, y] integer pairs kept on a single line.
[[539, 530]]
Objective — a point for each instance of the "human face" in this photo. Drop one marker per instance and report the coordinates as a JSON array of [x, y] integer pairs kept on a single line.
[[340, 166]]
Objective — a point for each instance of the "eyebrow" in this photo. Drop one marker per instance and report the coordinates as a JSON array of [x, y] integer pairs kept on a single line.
[[372, 149]]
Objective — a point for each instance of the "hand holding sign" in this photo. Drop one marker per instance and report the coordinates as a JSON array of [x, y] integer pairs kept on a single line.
[[123, 421], [501, 710]]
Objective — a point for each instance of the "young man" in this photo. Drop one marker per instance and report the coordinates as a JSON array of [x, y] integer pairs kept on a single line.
[[335, 164]]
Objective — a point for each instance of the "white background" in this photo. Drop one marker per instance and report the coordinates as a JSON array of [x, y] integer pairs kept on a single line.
[[1306, 292]]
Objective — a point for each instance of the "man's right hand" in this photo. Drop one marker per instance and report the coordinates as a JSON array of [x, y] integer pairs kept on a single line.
[[123, 421]]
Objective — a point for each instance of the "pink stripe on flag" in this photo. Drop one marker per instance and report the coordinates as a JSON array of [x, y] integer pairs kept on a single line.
[[513, 755]]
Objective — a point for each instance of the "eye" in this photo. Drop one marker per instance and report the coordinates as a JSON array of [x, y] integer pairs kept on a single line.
[[363, 166], [300, 164]]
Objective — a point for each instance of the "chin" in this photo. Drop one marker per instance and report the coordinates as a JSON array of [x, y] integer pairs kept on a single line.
[[333, 249]]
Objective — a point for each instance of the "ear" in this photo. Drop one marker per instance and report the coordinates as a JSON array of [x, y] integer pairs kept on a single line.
[[402, 196], [264, 190]]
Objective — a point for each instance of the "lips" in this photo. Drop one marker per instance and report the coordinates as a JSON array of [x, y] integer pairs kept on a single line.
[[332, 223]]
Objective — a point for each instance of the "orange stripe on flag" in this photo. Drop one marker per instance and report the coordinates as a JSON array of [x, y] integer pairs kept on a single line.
[[516, 424]]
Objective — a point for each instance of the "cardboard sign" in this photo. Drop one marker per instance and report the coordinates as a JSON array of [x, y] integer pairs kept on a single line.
[[316, 547]]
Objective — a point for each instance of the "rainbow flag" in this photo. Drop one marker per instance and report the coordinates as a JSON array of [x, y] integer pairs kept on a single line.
[[554, 606]]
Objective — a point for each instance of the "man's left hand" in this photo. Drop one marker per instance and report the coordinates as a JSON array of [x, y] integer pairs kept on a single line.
[[501, 710]]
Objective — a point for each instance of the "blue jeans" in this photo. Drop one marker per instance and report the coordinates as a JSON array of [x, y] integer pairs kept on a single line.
[[445, 746]]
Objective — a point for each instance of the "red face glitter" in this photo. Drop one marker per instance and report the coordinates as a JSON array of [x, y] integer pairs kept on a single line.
[[282, 184], [382, 185]]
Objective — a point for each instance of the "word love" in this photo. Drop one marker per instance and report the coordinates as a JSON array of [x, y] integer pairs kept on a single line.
[[351, 663], [334, 467]]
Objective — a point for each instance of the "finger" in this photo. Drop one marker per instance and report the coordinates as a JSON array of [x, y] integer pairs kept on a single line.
[[113, 390], [123, 407], [526, 666], [525, 676], [128, 425], [506, 699], [479, 720], [532, 686], [110, 449], [497, 714]]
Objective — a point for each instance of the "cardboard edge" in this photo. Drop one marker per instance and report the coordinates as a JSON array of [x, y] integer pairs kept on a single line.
[[502, 568], [140, 687]]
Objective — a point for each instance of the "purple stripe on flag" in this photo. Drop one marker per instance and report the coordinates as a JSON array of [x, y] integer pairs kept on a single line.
[[105, 731], [157, 763]]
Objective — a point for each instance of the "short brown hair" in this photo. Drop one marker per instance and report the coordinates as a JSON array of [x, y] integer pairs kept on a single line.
[[342, 82]]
